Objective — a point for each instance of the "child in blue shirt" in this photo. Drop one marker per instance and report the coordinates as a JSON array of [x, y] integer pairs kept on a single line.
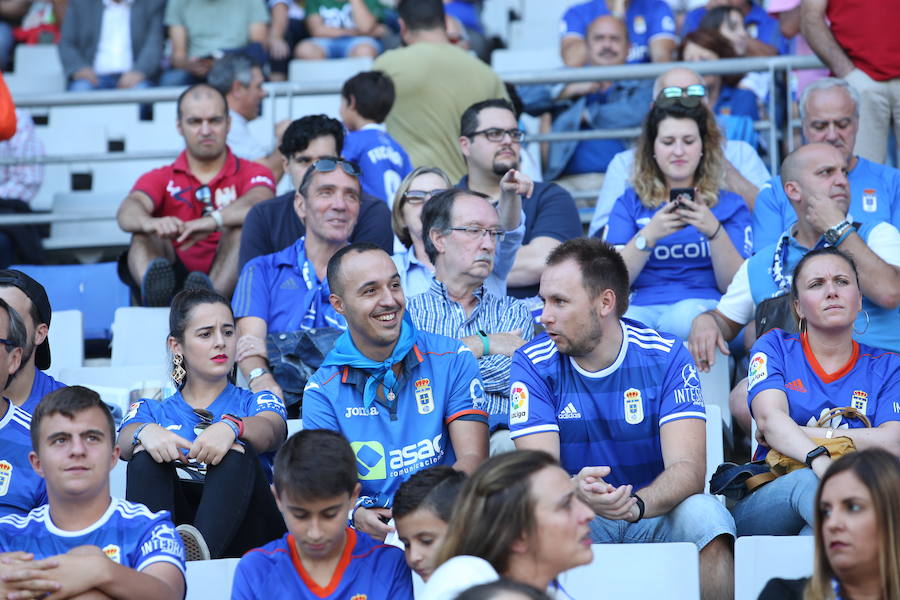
[[83, 542], [366, 100], [320, 558]]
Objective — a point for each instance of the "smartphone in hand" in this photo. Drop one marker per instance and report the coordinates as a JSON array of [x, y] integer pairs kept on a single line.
[[677, 194]]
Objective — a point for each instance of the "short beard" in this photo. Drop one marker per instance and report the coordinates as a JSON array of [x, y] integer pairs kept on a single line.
[[500, 169], [587, 342]]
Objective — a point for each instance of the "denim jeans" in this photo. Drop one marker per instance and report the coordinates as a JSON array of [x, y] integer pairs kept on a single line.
[[104, 82], [784, 506], [699, 519], [340, 47], [671, 318]]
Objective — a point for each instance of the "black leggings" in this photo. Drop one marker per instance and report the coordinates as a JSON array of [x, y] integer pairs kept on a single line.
[[234, 508]]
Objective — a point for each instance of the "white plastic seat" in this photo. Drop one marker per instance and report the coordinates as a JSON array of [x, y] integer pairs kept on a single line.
[[139, 336], [637, 572], [293, 426], [715, 450], [529, 58], [93, 233], [38, 70], [210, 578], [330, 70], [66, 340], [759, 558]]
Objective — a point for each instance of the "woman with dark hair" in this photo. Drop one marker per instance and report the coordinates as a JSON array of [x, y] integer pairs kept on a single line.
[[857, 533], [682, 236], [422, 508], [503, 589], [222, 435], [723, 92], [517, 517], [795, 382]]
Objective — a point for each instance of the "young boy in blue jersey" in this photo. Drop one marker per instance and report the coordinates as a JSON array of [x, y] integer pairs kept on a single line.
[[21, 489], [84, 543], [366, 100], [320, 558]]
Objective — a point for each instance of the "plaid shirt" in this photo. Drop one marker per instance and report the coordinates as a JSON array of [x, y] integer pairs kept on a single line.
[[21, 182], [436, 312]]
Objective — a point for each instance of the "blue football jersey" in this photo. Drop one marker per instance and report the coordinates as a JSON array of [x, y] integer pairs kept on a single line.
[[128, 533], [610, 417], [21, 489], [368, 570], [868, 382], [394, 438], [176, 415], [382, 160], [645, 19], [42, 385]]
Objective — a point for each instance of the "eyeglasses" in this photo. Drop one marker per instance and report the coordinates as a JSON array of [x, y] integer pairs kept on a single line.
[[420, 196], [203, 195], [326, 165], [495, 134], [476, 233], [688, 97]]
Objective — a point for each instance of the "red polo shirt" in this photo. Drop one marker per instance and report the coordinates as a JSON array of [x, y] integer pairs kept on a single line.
[[173, 191], [864, 29]]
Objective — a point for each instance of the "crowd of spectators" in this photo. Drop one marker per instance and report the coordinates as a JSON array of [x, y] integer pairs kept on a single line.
[[480, 382]]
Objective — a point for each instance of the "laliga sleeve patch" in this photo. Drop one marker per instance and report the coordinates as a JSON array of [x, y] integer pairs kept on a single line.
[[132, 410], [758, 369], [518, 403]]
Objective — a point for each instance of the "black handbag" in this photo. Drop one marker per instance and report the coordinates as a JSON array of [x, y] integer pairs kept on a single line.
[[775, 312]]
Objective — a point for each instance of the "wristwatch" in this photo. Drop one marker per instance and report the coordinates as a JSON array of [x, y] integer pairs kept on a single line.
[[257, 372], [640, 242], [816, 453], [833, 234], [640, 504]]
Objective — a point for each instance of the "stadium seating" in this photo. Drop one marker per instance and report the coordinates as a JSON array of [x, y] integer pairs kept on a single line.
[[637, 572], [526, 59], [66, 340], [38, 71], [94, 289], [333, 70], [715, 448], [139, 336], [92, 233], [759, 558], [293, 426], [208, 579], [716, 386]]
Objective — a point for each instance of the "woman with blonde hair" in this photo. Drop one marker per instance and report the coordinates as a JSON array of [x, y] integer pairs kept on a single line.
[[517, 517], [682, 236], [857, 546]]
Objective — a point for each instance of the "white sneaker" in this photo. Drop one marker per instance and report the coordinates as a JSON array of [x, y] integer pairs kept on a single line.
[[195, 547]]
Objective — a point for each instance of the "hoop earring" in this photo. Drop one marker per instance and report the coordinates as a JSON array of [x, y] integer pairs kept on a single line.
[[802, 325], [178, 372], [866, 328]]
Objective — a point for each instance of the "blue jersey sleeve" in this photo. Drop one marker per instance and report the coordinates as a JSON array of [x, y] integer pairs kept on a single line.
[[574, 22], [768, 211], [767, 365], [263, 401], [400, 586], [739, 228], [159, 543], [660, 21], [352, 150], [245, 584], [251, 295], [532, 407], [466, 399], [681, 396], [622, 224], [318, 411], [888, 404], [139, 412]]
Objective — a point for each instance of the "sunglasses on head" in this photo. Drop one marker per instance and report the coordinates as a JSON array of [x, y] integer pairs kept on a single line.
[[203, 195], [689, 97], [206, 418], [326, 165]]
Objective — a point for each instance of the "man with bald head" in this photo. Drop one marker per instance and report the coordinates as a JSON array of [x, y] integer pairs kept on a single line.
[[745, 172], [829, 112], [186, 218], [815, 183], [588, 105]]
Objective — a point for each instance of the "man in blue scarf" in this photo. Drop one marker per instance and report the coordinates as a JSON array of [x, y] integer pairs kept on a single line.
[[406, 399]]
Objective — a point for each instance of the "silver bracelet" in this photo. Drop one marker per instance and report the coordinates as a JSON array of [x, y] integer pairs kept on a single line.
[[217, 217]]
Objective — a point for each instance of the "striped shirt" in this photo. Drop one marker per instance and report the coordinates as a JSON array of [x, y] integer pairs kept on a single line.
[[609, 417], [436, 312]]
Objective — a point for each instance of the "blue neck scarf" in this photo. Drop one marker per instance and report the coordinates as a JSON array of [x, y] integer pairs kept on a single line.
[[314, 309], [346, 354]]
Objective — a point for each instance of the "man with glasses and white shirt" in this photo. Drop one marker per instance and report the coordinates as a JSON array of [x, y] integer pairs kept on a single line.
[[490, 141], [186, 218], [287, 291], [461, 231]]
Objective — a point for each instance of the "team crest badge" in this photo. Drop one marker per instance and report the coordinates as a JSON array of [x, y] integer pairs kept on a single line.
[[869, 200], [113, 553], [359, 597], [640, 25], [6, 470], [634, 406], [753, 30], [424, 398], [859, 401]]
